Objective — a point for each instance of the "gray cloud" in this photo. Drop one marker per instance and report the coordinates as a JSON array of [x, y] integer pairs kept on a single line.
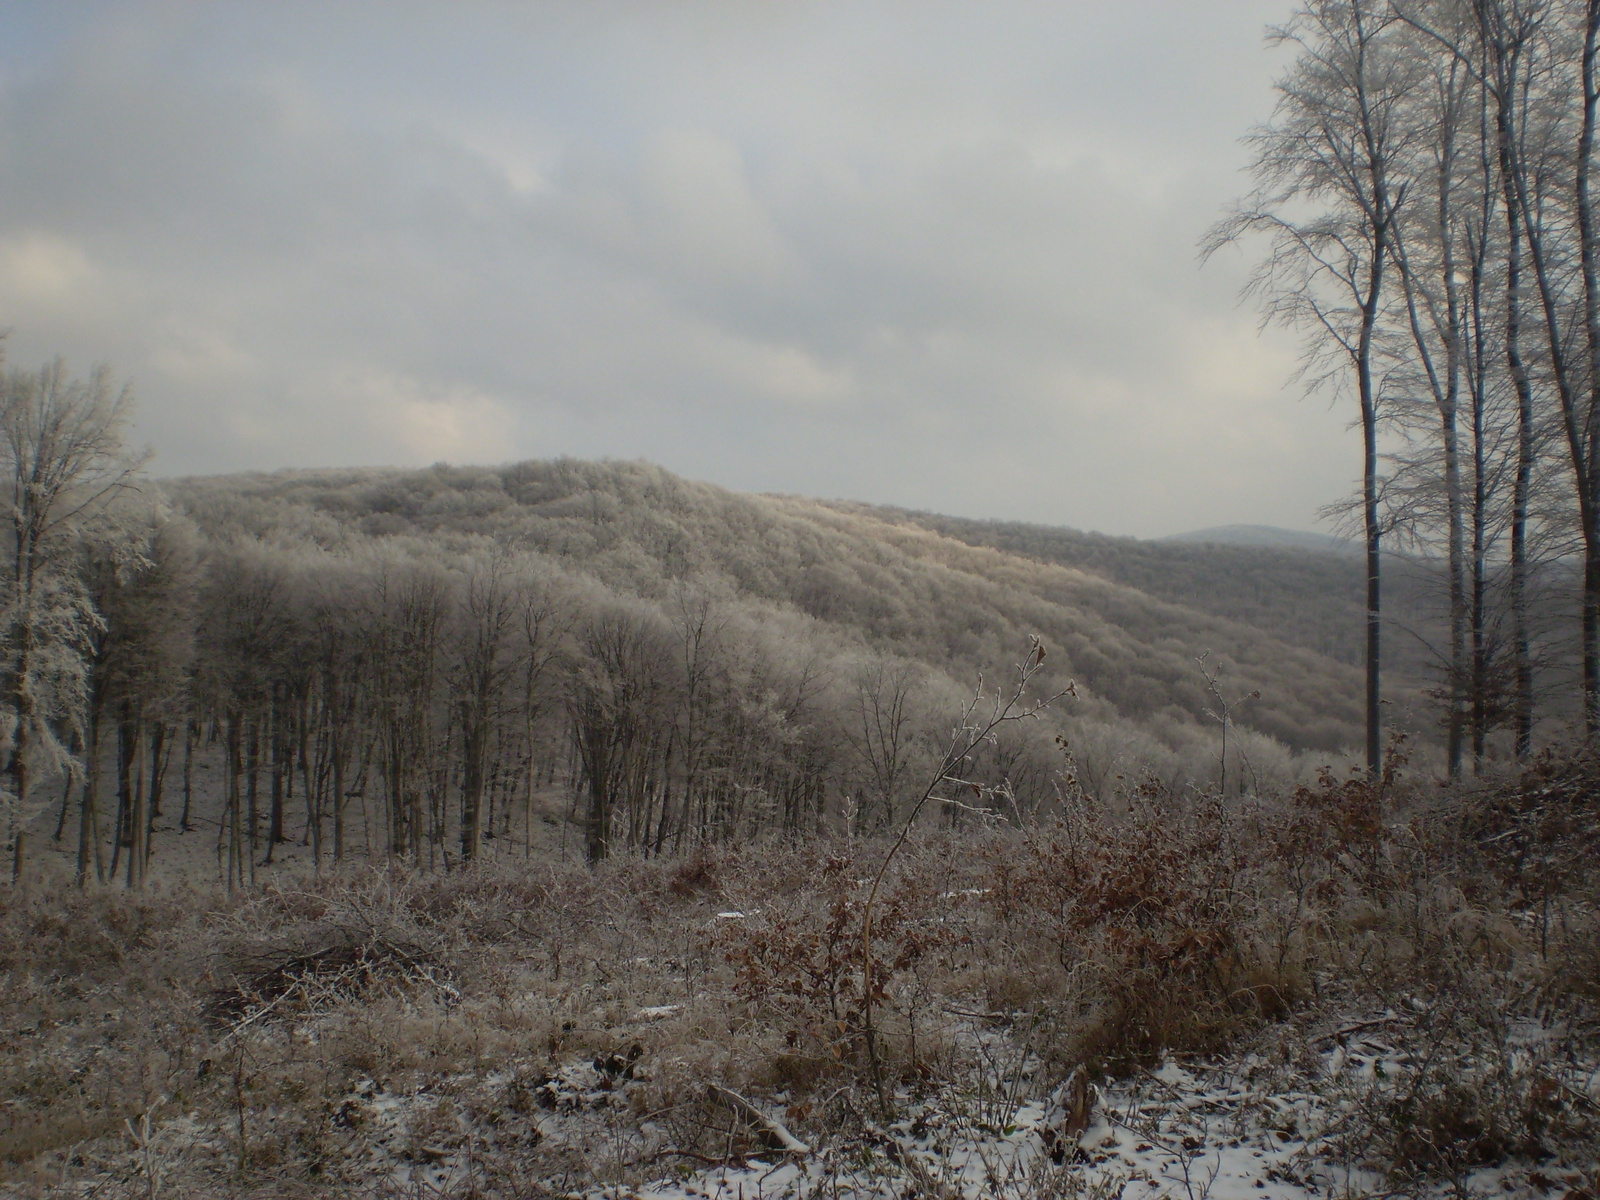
[[939, 255]]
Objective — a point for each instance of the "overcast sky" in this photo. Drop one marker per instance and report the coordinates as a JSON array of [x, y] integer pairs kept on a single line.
[[939, 255]]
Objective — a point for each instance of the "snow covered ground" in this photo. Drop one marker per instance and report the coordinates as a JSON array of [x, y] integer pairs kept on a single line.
[[1188, 1133], [1299, 1115], [1257, 1125]]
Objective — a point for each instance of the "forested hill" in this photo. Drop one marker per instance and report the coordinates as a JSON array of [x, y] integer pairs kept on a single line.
[[1273, 536], [1312, 599], [836, 583]]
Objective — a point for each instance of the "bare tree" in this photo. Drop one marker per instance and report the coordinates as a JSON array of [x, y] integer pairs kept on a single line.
[[1549, 172], [616, 698], [488, 611], [698, 627], [1428, 240], [141, 577], [415, 604], [1535, 61], [243, 625], [1335, 144], [65, 464], [882, 732]]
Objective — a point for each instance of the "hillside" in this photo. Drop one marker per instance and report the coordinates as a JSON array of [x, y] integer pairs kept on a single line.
[[1126, 620], [1309, 599], [1268, 535]]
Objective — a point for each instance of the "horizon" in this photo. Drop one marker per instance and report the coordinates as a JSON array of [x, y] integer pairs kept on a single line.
[[885, 504]]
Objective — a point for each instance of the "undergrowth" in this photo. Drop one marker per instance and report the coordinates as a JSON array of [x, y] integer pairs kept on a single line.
[[245, 1043]]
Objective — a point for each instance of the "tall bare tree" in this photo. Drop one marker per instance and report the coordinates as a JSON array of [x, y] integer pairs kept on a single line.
[[1334, 148], [489, 607], [1428, 248], [1550, 178]]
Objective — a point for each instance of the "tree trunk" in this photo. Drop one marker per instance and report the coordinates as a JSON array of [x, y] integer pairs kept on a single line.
[[1589, 479], [1367, 395], [1522, 699], [472, 751], [88, 817], [188, 773], [138, 810], [275, 755]]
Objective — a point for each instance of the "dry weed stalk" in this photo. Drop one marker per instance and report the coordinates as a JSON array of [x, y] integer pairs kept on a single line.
[[971, 732]]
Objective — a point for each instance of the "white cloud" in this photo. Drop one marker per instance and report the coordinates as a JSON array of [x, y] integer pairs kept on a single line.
[[45, 270], [775, 372], [702, 216], [459, 426]]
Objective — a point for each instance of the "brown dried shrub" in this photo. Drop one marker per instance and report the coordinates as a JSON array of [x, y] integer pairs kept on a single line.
[[1148, 915]]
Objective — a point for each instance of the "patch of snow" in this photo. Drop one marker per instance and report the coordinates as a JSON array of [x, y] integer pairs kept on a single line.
[[1243, 1128]]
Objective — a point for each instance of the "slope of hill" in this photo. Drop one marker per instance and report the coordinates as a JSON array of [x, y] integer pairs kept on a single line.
[[868, 578], [1268, 535], [1309, 599]]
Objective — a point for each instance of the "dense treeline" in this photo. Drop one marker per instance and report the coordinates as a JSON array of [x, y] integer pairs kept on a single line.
[[419, 664], [1424, 192], [1315, 600], [859, 583], [441, 688]]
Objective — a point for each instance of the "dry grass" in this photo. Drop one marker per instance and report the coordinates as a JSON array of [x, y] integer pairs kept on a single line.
[[347, 1034]]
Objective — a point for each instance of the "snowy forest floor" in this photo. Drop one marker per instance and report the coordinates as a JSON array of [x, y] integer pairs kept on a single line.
[[1351, 991]]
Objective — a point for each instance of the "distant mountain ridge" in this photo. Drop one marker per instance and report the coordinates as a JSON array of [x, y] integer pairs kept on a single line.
[[1270, 536]]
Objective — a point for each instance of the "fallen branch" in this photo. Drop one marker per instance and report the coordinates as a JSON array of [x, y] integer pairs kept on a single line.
[[781, 1138], [239, 1026], [1584, 1101], [733, 1160], [1338, 1035], [976, 1016]]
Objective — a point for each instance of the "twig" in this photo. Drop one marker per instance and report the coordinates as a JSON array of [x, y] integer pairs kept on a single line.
[[141, 1139], [972, 732], [909, 1163], [1338, 1035]]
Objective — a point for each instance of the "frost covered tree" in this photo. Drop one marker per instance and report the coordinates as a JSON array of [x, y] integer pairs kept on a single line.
[[65, 464]]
